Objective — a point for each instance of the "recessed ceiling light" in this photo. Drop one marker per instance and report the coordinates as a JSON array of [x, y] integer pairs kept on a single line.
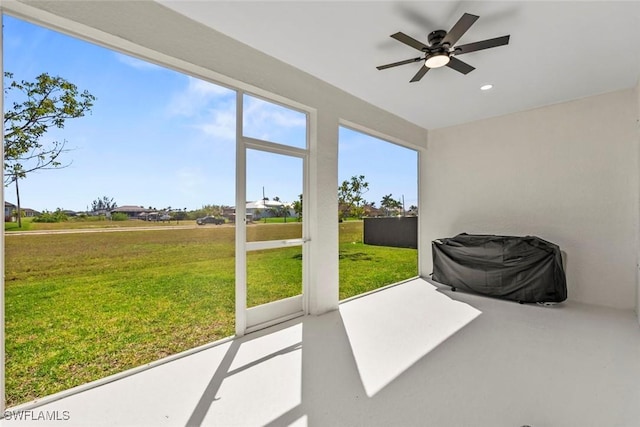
[[486, 87]]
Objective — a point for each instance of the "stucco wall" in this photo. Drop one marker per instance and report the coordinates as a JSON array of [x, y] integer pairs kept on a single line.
[[567, 173]]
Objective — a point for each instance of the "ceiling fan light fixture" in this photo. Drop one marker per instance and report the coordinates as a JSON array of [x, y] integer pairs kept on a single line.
[[443, 49], [437, 60]]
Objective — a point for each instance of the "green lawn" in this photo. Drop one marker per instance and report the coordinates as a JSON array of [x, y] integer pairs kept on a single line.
[[86, 305], [275, 220], [89, 223], [13, 226]]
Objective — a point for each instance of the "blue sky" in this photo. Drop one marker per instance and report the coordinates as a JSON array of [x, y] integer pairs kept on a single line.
[[156, 137]]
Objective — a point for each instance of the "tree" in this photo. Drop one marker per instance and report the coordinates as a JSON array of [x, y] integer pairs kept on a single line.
[[58, 216], [103, 204], [350, 194], [179, 214], [206, 210], [388, 203], [284, 212], [297, 207], [35, 108], [279, 210]]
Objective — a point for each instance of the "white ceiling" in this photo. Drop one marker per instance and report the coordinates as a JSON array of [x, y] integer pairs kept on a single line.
[[558, 50]]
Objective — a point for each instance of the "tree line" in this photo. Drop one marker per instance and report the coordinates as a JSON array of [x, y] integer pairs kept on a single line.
[[353, 204]]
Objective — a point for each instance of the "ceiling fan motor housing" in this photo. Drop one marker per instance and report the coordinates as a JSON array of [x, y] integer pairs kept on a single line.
[[435, 37]]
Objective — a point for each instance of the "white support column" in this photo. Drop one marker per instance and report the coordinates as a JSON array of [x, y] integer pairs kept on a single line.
[[322, 213], [241, 226], [424, 245]]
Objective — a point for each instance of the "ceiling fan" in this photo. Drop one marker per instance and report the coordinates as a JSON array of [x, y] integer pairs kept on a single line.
[[441, 49]]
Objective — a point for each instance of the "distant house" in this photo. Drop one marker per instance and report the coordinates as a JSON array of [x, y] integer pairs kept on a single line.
[[228, 212], [9, 209], [372, 211], [154, 216], [268, 209], [100, 212], [412, 212], [29, 213], [10, 212], [131, 211]]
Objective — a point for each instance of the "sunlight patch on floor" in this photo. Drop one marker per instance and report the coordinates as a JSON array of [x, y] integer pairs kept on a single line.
[[271, 365], [389, 331]]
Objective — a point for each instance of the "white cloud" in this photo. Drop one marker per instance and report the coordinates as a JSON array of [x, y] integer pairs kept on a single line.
[[206, 88], [213, 111], [220, 124], [136, 63], [208, 107], [198, 97], [269, 121]]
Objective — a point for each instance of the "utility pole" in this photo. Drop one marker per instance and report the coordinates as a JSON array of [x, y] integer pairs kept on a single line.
[[264, 203], [404, 212]]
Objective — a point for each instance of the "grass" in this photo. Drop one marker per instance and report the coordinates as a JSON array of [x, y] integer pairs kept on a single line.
[[364, 268], [13, 226], [75, 224], [83, 306], [275, 220], [280, 268]]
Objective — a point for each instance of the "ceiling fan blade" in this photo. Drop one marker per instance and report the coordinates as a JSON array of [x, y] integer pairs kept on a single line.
[[420, 74], [395, 64], [402, 37], [459, 29], [460, 66], [484, 44]]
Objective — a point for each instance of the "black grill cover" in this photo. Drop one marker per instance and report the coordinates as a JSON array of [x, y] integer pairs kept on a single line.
[[524, 269]]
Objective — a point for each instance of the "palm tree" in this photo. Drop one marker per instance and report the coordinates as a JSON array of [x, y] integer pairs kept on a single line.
[[297, 207], [388, 203]]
